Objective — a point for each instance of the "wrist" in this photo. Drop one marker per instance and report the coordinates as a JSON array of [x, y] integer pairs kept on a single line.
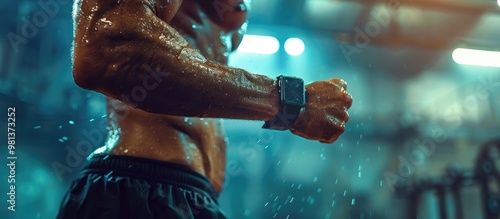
[[291, 99]]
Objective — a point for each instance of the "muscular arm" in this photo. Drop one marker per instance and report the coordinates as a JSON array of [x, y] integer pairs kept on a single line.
[[123, 50]]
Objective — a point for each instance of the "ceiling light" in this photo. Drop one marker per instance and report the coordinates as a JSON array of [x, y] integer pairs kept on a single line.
[[259, 44], [294, 46], [476, 57]]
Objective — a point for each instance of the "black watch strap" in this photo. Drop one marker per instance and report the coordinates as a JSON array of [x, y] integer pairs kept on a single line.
[[292, 99]]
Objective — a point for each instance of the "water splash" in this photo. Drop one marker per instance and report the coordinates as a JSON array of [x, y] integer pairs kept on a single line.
[[359, 171]]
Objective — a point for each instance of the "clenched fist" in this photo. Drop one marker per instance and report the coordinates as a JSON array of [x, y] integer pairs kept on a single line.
[[324, 116]]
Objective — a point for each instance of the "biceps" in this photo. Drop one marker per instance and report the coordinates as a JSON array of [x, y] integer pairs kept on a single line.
[[112, 40]]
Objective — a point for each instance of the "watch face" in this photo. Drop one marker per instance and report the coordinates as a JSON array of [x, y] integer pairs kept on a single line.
[[293, 91]]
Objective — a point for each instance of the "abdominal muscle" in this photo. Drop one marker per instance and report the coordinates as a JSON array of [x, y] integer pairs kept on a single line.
[[198, 143]]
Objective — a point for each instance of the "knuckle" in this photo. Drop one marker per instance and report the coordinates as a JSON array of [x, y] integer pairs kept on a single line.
[[340, 82]]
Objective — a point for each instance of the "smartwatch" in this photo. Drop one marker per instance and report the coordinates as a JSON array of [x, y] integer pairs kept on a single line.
[[291, 100]]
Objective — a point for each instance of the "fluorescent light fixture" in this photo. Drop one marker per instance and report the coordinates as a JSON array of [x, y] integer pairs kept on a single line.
[[259, 44], [294, 46], [476, 57]]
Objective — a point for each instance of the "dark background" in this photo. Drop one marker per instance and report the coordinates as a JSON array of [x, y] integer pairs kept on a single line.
[[407, 89]]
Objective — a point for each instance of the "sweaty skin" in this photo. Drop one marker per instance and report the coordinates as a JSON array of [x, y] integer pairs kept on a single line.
[[162, 66]]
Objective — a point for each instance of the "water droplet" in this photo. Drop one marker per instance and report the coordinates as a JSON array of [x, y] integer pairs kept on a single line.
[[60, 127], [353, 201], [315, 179], [380, 183], [345, 193], [106, 21], [91, 120], [105, 157], [37, 127], [125, 151], [186, 119], [65, 138], [71, 122], [319, 190], [322, 156]]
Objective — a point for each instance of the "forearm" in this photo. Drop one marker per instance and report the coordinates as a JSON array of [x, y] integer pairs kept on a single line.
[[196, 89], [145, 62]]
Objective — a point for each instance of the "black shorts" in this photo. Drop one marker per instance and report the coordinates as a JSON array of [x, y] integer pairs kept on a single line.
[[113, 186]]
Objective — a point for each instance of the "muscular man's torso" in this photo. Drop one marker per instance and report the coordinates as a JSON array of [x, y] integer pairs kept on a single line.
[[196, 142]]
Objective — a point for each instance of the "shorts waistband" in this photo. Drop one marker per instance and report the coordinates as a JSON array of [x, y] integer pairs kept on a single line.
[[151, 170]]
